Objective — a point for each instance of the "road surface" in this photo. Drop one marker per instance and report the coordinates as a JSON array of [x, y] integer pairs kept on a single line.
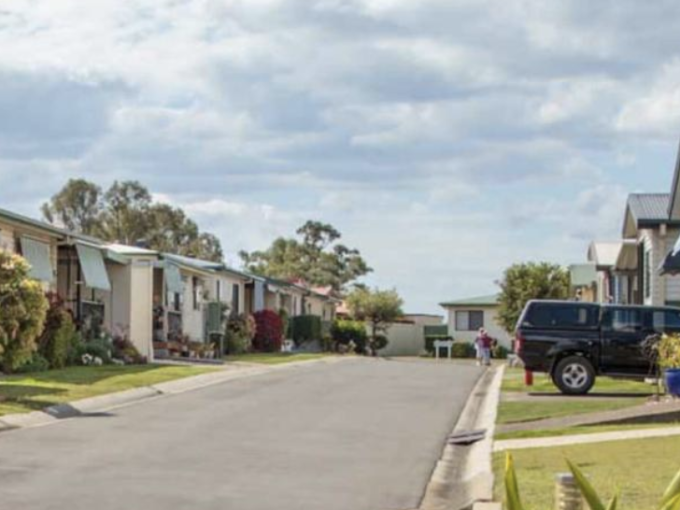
[[361, 434]]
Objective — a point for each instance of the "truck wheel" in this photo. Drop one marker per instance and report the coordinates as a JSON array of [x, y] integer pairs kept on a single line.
[[574, 375]]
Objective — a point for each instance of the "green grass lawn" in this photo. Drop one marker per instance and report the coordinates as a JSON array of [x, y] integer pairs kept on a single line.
[[276, 358], [513, 381], [520, 412], [638, 470], [25, 393]]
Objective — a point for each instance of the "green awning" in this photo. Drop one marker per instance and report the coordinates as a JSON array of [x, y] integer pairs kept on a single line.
[[39, 257], [173, 279], [93, 267]]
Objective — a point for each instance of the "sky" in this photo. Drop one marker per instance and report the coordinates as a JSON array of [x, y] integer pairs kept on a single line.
[[445, 139]]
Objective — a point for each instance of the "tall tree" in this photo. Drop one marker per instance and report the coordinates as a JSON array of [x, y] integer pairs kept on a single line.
[[125, 218], [524, 282], [126, 214], [315, 257], [77, 207]]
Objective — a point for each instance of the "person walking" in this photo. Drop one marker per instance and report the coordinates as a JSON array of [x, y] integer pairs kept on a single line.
[[483, 345]]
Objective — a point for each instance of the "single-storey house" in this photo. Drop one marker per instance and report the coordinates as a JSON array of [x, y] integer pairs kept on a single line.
[[467, 316], [583, 279]]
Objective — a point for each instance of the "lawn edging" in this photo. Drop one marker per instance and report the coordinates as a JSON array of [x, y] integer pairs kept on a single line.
[[464, 475], [110, 401]]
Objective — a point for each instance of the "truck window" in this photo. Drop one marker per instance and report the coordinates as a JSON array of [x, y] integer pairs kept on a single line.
[[550, 315], [666, 320], [626, 320]]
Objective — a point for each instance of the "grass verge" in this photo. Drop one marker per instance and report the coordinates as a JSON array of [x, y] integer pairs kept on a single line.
[[638, 470], [526, 411], [25, 393], [276, 358], [570, 431]]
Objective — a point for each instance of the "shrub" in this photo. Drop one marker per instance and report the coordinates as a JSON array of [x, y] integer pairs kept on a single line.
[[463, 350], [669, 351], [501, 352], [36, 363], [59, 335], [285, 323], [24, 309], [124, 350], [344, 332], [269, 331], [99, 348], [305, 328], [239, 334], [379, 343]]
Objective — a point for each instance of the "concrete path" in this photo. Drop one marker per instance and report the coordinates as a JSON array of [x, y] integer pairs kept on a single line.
[[359, 435], [547, 442]]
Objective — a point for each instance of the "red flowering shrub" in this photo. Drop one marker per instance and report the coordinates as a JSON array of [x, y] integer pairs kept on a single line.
[[269, 335]]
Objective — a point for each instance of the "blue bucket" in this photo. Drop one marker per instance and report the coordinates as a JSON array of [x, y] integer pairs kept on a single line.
[[673, 381]]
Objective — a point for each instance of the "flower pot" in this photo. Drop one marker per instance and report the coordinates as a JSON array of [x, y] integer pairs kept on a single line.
[[673, 381]]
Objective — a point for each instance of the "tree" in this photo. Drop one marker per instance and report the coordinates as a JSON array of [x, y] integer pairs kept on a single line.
[[315, 257], [24, 309], [125, 218], [77, 207], [378, 308], [127, 214], [524, 282]]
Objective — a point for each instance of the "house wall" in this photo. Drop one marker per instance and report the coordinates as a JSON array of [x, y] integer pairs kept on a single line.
[[404, 340], [141, 305], [490, 324], [9, 235], [193, 320], [672, 282]]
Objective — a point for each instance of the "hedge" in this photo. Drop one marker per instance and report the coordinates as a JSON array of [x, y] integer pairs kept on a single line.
[[305, 328]]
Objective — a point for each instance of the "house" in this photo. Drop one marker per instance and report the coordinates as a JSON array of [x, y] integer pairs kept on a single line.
[[422, 319], [105, 287], [603, 255], [466, 316]]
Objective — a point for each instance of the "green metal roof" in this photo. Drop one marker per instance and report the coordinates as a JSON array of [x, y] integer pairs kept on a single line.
[[25, 220], [491, 300]]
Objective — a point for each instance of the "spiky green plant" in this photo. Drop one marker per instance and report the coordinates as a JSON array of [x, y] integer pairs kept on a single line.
[[513, 500]]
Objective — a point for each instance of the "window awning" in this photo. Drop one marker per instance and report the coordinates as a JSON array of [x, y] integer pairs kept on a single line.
[[671, 264], [173, 279], [93, 267], [38, 255]]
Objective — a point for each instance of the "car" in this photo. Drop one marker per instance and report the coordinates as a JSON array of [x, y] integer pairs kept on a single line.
[[575, 342]]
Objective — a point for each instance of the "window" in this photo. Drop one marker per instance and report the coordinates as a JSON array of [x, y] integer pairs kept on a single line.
[[549, 315], [469, 320], [666, 321], [174, 301], [626, 320], [235, 299], [218, 290]]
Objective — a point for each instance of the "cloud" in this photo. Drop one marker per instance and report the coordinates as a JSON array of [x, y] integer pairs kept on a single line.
[[445, 139]]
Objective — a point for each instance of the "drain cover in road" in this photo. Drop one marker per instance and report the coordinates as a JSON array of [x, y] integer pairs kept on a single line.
[[467, 437]]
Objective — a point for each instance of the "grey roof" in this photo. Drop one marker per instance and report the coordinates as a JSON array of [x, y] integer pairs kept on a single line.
[[649, 207]]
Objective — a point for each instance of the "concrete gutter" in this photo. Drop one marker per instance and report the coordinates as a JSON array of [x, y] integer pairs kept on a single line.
[[463, 477], [110, 401]]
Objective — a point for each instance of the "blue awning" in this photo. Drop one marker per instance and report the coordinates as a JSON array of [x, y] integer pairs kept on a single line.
[[38, 255], [173, 279], [671, 264]]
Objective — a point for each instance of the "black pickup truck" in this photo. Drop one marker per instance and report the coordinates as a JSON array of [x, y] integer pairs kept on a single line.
[[575, 342]]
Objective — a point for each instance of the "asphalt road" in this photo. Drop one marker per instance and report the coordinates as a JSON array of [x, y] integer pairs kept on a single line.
[[356, 435]]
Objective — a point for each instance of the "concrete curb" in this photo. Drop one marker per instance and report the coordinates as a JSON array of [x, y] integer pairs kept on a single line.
[[464, 475], [110, 401]]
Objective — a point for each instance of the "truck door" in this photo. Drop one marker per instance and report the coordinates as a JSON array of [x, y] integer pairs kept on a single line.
[[623, 330]]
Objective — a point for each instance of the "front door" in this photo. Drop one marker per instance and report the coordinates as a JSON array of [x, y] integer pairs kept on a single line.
[[624, 330]]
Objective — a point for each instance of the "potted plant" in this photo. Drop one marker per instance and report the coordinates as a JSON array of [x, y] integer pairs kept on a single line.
[[669, 361]]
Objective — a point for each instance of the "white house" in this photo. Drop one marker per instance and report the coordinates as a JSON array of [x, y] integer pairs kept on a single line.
[[466, 316]]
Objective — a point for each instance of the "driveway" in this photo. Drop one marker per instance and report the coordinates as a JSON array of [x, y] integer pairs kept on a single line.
[[356, 435]]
